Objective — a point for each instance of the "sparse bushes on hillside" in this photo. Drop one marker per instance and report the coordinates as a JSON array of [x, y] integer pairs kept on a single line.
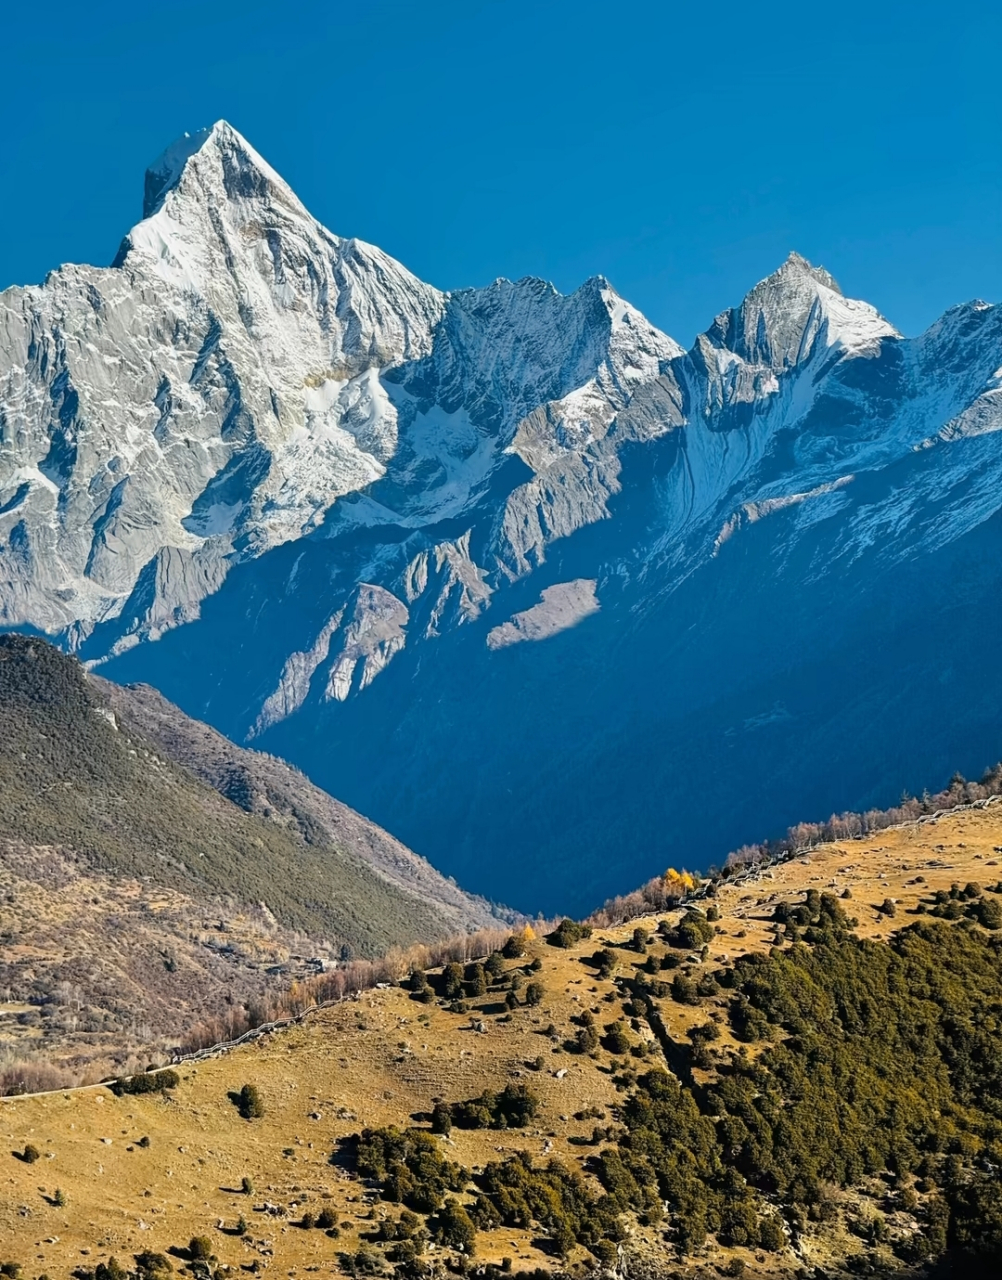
[[847, 826], [873, 1056]]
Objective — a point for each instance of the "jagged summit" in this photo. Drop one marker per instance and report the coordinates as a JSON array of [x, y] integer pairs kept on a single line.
[[797, 265], [792, 314]]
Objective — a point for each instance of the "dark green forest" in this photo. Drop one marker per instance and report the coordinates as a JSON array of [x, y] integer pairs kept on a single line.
[[860, 1063]]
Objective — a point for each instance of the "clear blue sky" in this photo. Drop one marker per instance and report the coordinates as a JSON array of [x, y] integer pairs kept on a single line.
[[679, 149]]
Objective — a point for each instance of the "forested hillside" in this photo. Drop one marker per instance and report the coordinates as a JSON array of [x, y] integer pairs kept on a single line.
[[793, 1073]]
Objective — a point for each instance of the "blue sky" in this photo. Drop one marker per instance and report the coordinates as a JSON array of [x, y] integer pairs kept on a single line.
[[679, 149]]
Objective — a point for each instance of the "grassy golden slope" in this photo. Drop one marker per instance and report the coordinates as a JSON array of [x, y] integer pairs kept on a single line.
[[384, 1058]]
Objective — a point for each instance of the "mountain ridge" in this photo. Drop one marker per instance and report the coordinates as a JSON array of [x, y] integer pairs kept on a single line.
[[381, 477]]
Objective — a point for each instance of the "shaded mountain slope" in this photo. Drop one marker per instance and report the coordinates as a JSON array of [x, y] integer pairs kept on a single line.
[[154, 875]]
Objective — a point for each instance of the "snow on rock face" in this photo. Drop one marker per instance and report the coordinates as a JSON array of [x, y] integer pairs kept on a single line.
[[242, 378], [792, 313], [237, 371]]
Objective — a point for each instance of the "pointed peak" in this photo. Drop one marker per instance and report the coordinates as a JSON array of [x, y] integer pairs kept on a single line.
[[247, 172], [784, 317], [797, 271]]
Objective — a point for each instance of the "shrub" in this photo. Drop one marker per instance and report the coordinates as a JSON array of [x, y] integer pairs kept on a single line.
[[441, 1118], [494, 965], [535, 993], [514, 948], [326, 1220], [454, 1227], [476, 981], [771, 1235], [200, 1248], [247, 1186], [59, 1199], [110, 1270], [410, 1167], [586, 1040], [249, 1103], [568, 933], [146, 1082], [512, 1108], [30, 1154], [641, 939], [616, 1039], [692, 931], [452, 979], [606, 1252], [152, 1266], [366, 1262]]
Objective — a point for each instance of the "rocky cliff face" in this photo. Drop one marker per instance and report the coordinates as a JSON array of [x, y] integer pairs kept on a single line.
[[510, 571]]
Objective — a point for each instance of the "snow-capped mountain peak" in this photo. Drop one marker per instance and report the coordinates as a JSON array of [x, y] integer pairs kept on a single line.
[[795, 313], [385, 489], [244, 170]]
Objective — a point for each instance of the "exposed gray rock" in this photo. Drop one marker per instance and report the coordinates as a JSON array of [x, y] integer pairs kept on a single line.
[[561, 606]]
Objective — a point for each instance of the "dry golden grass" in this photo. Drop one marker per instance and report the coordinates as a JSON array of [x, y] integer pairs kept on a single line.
[[379, 1060]]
